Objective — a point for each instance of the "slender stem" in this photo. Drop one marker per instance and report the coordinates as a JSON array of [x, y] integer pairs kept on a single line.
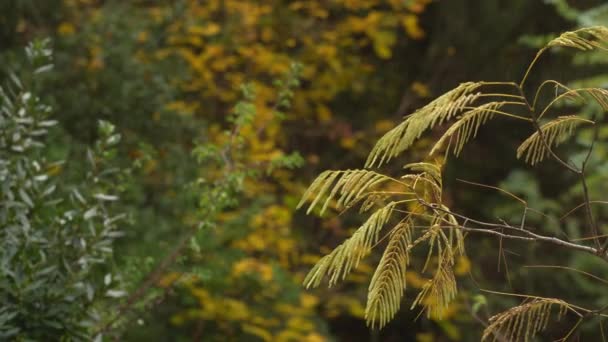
[[580, 173], [499, 83], [591, 220], [522, 201], [570, 269], [536, 126], [589, 213], [580, 206], [530, 235], [562, 95], [571, 306], [573, 329], [387, 193], [541, 87], [499, 112], [500, 95], [540, 52], [535, 237]]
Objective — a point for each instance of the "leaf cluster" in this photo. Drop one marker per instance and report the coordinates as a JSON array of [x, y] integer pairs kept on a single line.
[[56, 232]]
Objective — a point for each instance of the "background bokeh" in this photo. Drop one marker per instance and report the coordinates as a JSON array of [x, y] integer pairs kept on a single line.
[[169, 75]]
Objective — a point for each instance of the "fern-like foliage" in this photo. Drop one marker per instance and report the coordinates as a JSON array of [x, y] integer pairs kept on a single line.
[[388, 283], [577, 95], [536, 147], [430, 175], [436, 112], [338, 264], [599, 95], [431, 169], [587, 38], [438, 292], [466, 127], [421, 201], [524, 321], [350, 185]]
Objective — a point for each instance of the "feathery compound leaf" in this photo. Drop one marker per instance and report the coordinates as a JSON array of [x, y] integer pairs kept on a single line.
[[584, 39], [524, 321], [350, 185], [430, 179], [343, 258], [554, 133], [433, 170], [441, 109], [438, 292], [466, 127], [388, 283], [455, 231], [599, 95]]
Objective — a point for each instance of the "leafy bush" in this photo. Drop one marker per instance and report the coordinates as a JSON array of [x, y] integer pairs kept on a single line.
[[57, 227]]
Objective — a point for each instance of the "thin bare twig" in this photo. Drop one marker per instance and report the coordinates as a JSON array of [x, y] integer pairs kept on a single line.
[[570, 269], [530, 235]]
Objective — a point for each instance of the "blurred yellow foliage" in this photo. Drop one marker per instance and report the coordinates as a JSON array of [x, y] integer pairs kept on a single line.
[[252, 266], [421, 89], [225, 43], [66, 29]]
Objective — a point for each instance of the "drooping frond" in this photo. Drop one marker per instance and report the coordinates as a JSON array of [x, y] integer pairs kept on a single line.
[[438, 292], [440, 242], [338, 264], [587, 38], [372, 200], [441, 109], [523, 322], [388, 282], [599, 95], [433, 170], [350, 185], [429, 177], [455, 237], [466, 127], [554, 133]]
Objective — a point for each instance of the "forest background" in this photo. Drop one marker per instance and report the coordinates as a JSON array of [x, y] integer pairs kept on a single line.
[[227, 109]]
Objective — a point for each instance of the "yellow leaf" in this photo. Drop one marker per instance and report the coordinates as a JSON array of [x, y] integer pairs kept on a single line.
[[314, 337], [210, 29], [425, 337], [412, 27], [383, 43], [257, 331], [66, 29], [348, 142], [420, 89], [288, 336], [168, 279], [308, 301], [142, 36], [463, 265], [299, 323]]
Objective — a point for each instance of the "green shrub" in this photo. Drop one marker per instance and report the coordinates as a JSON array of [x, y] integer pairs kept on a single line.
[[57, 226]]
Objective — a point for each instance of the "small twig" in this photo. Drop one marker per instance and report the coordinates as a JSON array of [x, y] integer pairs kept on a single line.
[[589, 212], [530, 235], [580, 206], [152, 278], [570, 269], [541, 134], [495, 188]]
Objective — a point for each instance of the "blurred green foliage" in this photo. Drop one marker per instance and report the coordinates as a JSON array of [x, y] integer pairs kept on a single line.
[[58, 227], [169, 75]]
